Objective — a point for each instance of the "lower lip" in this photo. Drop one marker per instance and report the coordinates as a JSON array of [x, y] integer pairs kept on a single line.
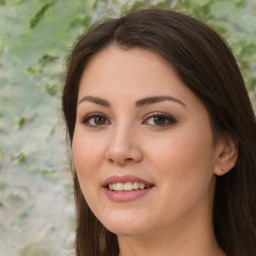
[[126, 196]]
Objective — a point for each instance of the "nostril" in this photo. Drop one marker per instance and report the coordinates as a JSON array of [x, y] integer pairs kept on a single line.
[[123, 152]]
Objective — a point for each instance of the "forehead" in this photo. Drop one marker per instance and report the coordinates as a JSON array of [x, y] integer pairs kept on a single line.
[[132, 70], [114, 60]]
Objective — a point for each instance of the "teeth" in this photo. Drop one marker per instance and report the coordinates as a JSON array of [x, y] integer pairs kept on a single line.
[[128, 186], [142, 186], [119, 186], [136, 185]]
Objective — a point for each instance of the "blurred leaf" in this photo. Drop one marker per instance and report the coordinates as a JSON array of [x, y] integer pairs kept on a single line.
[[135, 6], [21, 157], [23, 121], [80, 20], [40, 14], [46, 59], [20, 1], [3, 185], [51, 89], [202, 2]]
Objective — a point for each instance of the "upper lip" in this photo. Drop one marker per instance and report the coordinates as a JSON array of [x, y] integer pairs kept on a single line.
[[124, 179]]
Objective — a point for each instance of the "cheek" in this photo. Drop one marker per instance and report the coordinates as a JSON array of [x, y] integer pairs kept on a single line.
[[88, 154], [85, 166], [185, 163], [81, 155], [87, 150], [85, 156], [183, 149]]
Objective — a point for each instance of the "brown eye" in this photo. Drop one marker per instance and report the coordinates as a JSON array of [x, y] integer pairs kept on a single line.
[[159, 120], [99, 120], [95, 120]]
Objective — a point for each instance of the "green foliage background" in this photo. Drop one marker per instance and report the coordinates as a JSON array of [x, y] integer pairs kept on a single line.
[[36, 36]]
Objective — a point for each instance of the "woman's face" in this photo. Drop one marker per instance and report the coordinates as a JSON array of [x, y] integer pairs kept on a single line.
[[143, 146]]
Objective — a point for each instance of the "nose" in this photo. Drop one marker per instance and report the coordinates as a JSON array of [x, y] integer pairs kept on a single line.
[[123, 148]]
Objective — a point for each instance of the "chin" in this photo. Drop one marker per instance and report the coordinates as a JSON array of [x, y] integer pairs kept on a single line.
[[126, 226], [126, 230]]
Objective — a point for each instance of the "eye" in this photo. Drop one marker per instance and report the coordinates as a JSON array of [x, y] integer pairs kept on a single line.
[[95, 120], [159, 119]]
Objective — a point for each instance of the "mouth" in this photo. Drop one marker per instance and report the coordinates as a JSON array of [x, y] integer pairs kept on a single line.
[[126, 183], [128, 186]]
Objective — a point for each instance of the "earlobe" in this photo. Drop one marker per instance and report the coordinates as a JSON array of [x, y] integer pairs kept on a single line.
[[227, 152]]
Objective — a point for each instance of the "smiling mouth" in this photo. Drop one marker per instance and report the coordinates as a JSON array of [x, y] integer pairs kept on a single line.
[[127, 186]]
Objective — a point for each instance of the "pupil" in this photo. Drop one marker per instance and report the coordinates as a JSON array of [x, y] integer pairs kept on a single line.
[[159, 120], [99, 120]]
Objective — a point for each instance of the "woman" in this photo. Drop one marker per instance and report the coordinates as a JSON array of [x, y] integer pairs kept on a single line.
[[163, 140]]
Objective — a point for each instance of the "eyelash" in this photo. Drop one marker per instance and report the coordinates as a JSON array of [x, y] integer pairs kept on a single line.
[[166, 118], [85, 120]]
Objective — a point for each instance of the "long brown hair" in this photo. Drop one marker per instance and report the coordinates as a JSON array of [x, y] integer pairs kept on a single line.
[[204, 62]]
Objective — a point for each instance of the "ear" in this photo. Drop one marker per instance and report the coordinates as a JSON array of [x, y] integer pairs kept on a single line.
[[227, 152]]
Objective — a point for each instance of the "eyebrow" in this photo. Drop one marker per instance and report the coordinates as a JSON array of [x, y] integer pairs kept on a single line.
[[156, 99], [95, 100], [139, 103]]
